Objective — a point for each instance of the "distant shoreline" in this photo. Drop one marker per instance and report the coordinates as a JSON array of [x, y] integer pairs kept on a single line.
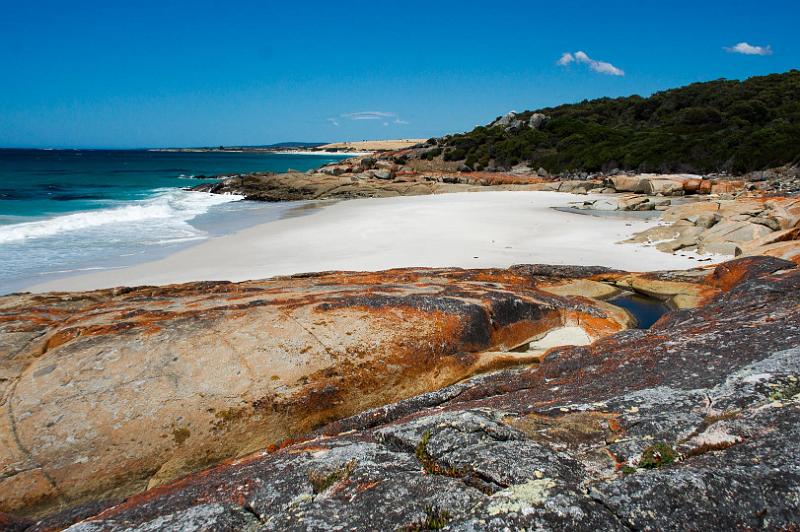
[[354, 148], [282, 151]]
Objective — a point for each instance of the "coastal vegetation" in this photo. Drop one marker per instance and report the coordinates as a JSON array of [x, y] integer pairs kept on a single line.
[[716, 126]]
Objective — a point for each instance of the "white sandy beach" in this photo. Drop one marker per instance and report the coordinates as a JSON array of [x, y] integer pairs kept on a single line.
[[471, 230]]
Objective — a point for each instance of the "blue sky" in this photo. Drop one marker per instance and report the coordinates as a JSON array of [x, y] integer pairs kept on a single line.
[[173, 73]]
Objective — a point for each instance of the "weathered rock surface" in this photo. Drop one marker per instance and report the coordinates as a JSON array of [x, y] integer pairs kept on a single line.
[[690, 425], [350, 182], [108, 392], [744, 226]]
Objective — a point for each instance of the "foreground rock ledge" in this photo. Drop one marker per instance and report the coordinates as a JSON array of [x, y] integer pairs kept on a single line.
[[690, 424], [110, 392]]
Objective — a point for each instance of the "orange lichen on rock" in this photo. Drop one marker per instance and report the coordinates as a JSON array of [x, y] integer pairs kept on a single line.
[[110, 375], [140, 385]]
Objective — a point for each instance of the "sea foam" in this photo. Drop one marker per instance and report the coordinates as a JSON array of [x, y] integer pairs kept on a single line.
[[170, 206]]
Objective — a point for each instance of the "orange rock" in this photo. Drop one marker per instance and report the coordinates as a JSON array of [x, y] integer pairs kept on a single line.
[[722, 187], [117, 390]]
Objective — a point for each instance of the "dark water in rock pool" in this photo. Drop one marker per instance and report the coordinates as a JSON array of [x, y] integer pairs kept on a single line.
[[646, 310]]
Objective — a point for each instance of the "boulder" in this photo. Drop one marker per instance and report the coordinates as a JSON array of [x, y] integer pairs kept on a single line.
[[683, 212], [692, 185], [385, 165], [549, 186], [382, 174], [704, 220], [521, 169], [537, 120], [769, 222], [631, 202], [704, 187], [625, 183], [786, 211], [722, 187], [505, 120], [576, 187], [664, 187], [335, 169], [719, 248], [688, 234], [737, 232], [604, 204]]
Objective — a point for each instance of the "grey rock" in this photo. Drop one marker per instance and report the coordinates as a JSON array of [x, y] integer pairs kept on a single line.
[[505, 120], [537, 120]]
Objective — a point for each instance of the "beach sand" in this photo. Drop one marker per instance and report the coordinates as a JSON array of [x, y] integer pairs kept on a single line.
[[470, 230], [373, 145]]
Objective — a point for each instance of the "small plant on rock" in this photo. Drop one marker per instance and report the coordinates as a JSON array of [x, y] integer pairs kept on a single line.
[[657, 455], [429, 463], [321, 481]]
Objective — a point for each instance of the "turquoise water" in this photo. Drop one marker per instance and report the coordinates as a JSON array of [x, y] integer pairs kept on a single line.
[[68, 211]]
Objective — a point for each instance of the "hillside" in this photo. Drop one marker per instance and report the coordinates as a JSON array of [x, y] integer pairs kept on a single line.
[[723, 125]]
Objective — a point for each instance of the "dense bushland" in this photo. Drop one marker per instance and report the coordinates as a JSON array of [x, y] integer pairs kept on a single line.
[[722, 125]]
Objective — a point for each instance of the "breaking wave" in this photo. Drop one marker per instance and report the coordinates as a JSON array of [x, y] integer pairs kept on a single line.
[[169, 209]]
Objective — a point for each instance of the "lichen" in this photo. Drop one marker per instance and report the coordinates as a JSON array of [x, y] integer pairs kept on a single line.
[[224, 418], [521, 497], [180, 435], [785, 390], [572, 429]]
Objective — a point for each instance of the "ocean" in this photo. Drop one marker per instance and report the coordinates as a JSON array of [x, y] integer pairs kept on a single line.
[[63, 212]]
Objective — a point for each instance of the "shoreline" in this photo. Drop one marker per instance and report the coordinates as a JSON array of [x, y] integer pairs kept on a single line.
[[224, 220], [472, 230]]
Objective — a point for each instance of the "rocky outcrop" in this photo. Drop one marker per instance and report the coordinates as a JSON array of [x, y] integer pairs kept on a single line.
[[691, 424], [395, 175], [106, 393], [352, 180], [672, 184], [745, 226], [627, 202], [512, 121], [782, 180]]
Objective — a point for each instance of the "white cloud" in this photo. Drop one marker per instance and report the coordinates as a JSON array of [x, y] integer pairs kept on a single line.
[[369, 115], [601, 67], [566, 58], [749, 49], [385, 117]]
